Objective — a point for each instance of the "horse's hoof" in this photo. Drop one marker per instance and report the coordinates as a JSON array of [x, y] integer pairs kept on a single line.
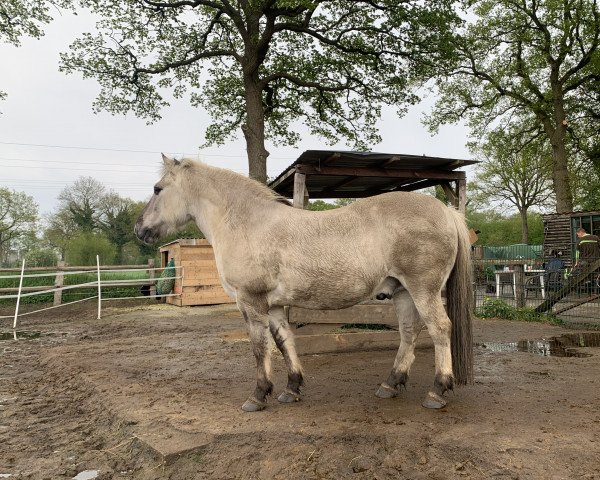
[[434, 401], [253, 405], [385, 391], [288, 397]]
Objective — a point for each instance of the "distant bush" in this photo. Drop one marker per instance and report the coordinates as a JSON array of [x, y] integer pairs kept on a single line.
[[83, 248], [495, 308], [43, 257]]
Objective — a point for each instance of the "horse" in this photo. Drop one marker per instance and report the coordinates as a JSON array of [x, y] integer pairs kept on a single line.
[[400, 245]]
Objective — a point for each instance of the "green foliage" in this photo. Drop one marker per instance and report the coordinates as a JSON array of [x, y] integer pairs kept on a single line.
[[261, 66], [530, 65], [84, 246], [512, 173], [18, 219], [496, 229], [81, 202], [495, 308], [117, 221], [20, 18], [319, 205], [41, 257]]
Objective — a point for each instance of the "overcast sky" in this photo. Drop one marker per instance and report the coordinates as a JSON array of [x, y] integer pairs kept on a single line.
[[49, 136]]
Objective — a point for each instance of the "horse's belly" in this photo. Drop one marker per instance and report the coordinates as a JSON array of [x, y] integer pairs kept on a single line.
[[316, 295]]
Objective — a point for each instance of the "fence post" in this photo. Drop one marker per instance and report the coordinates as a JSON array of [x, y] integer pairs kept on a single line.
[[58, 282], [19, 295], [519, 285], [99, 286], [151, 277]]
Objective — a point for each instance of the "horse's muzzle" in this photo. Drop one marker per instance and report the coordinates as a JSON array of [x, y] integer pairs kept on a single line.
[[145, 234]]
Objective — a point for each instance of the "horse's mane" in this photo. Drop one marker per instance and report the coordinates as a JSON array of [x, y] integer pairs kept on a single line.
[[238, 186]]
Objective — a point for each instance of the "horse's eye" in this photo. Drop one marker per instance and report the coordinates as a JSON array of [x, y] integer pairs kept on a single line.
[[157, 190]]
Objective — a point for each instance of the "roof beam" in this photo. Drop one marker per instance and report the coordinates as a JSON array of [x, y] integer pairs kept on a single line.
[[380, 172]]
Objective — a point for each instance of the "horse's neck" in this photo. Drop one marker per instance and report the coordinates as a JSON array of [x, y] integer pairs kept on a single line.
[[223, 204]]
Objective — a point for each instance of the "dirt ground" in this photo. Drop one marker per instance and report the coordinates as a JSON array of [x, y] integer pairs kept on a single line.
[[153, 392]]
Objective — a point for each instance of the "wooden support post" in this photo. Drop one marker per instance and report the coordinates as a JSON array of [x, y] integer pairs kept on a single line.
[[59, 282], [462, 195], [151, 276], [519, 285], [450, 194], [300, 191]]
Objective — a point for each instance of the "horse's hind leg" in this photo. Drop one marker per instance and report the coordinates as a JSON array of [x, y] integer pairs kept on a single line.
[[432, 312], [284, 339], [255, 313], [410, 325]]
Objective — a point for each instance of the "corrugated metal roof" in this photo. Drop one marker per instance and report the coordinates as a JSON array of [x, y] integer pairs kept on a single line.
[[338, 174]]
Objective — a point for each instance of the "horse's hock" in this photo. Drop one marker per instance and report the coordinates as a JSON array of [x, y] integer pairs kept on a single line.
[[200, 284]]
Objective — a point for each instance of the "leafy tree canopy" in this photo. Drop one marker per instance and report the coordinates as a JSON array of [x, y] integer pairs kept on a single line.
[[20, 18], [261, 65], [18, 218], [529, 61]]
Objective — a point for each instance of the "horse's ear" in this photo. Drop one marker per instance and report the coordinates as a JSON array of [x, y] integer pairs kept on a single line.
[[169, 162]]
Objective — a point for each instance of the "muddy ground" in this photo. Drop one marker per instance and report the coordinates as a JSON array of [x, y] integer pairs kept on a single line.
[[153, 392]]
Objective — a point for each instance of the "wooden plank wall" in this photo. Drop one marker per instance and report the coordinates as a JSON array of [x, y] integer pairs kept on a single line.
[[557, 236], [201, 284]]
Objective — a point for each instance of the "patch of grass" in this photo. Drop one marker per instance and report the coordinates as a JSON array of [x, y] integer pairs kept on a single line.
[[495, 308]]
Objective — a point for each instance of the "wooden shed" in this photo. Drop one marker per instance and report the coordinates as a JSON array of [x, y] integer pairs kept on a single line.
[[559, 231], [201, 284]]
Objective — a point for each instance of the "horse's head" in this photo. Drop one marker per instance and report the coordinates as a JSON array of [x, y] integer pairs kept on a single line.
[[167, 211]]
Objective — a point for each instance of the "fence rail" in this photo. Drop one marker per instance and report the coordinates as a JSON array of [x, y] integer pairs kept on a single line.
[[61, 270], [541, 284]]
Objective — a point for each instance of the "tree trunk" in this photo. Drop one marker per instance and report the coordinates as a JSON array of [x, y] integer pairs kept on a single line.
[[560, 177], [254, 130], [560, 169], [119, 254], [524, 226]]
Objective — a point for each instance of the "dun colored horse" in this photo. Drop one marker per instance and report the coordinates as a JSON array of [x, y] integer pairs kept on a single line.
[[399, 245]]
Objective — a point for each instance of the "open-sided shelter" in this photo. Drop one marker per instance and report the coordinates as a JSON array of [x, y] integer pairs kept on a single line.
[[325, 174], [319, 174]]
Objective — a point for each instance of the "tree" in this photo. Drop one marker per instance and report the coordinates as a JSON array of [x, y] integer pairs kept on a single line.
[[520, 178], [528, 60], [81, 202], [261, 65], [84, 246], [500, 230], [59, 230], [117, 221], [20, 18], [18, 218], [320, 205]]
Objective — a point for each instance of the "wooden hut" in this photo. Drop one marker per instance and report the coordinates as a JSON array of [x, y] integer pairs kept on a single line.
[[201, 284], [559, 231]]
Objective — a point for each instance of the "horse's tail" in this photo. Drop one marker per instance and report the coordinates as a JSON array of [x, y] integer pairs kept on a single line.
[[459, 302]]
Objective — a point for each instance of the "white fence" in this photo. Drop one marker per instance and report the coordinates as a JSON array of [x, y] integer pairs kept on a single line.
[[99, 283]]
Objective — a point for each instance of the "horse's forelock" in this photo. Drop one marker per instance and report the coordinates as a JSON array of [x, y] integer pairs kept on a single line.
[[173, 167]]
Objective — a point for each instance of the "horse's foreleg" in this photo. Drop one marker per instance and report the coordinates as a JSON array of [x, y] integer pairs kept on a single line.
[[257, 321], [284, 339], [410, 325], [439, 327]]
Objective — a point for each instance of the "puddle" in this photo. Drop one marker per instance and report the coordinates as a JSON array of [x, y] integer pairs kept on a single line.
[[19, 335], [566, 345]]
